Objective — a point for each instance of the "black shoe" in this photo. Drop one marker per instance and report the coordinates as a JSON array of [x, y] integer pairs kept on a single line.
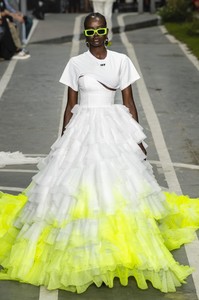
[[38, 15]]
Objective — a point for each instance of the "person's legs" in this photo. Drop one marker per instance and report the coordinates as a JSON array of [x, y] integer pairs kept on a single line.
[[108, 6], [63, 6], [15, 35], [21, 53], [71, 7], [98, 7], [78, 6], [7, 46]]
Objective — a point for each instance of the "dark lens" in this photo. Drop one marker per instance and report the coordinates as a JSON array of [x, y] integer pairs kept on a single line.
[[90, 32], [101, 31]]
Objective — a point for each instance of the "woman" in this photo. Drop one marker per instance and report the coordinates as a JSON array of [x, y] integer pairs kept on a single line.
[[95, 210]]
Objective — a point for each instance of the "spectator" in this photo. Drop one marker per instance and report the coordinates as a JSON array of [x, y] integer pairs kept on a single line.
[[63, 5], [105, 7], [10, 43], [18, 16], [87, 6], [7, 45], [39, 8]]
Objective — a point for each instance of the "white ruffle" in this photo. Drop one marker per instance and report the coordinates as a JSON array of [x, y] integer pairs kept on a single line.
[[97, 159]]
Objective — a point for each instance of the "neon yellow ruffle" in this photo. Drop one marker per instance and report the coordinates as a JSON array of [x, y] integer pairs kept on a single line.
[[87, 250]]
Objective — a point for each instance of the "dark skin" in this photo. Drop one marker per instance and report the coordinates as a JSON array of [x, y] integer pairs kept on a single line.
[[98, 49]]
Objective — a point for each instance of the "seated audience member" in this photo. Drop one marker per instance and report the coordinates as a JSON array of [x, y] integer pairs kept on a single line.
[[18, 16], [10, 43]]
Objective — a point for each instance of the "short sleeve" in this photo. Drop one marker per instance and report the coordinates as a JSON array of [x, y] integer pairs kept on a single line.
[[70, 76], [128, 73]]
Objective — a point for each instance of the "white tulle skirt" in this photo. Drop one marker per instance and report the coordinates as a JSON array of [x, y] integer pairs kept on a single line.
[[94, 211]]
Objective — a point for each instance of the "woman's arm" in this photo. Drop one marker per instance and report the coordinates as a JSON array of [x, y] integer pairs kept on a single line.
[[128, 101], [72, 100]]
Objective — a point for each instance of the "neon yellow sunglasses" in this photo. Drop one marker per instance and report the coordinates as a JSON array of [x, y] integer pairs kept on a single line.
[[99, 31]]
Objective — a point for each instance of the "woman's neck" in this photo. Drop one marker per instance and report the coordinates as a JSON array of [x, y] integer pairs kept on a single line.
[[98, 52]]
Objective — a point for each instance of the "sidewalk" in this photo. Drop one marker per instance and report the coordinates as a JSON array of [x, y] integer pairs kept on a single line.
[[58, 28]]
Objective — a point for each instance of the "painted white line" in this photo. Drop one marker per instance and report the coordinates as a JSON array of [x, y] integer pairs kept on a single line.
[[153, 162], [9, 188], [35, 155], [7, 76], [47, 295], [17, 171], [76, 35], [34, 25], [16, 158], [192, 250], [177, 165], [160, 144], [10, 69], [152, 118], [74, 52], [183, 47]]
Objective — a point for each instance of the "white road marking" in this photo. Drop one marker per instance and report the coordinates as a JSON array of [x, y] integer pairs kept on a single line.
[[182, 46], [18, 171], [11, 66], [9, 188], [177, 165], [35, 155], [44, 294], [16, 158], [34, 25], [7, 76], [160, 144], [153, 162], [74, 51], [152, 118]]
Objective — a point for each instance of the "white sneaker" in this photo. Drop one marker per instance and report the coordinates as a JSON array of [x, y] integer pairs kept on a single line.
[[23, 54]]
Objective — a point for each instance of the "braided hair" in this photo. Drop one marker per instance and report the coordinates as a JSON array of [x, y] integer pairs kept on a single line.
[[94, 15]]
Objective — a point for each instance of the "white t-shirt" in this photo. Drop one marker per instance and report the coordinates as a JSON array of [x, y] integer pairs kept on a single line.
[[115, 71]]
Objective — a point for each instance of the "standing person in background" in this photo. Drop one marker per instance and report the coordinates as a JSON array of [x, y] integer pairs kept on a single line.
[[63, 5], [39, 8], [74, 6], [105, 7], [87, 6]]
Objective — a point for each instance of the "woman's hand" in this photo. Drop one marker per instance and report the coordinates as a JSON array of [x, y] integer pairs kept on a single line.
[[143, 149], [71, 102], [128, 101]]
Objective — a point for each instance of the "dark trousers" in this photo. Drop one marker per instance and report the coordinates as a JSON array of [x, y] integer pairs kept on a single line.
[[7, 46], [74, 6]]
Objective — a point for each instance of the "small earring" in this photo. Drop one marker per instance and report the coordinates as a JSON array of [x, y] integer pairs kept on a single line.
[[106, 42], [87, 44]]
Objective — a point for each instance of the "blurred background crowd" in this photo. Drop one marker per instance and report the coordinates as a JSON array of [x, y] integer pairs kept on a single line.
[[16, 17]]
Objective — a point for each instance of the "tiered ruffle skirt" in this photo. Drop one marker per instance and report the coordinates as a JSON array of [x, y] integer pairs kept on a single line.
[[95, 212]]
